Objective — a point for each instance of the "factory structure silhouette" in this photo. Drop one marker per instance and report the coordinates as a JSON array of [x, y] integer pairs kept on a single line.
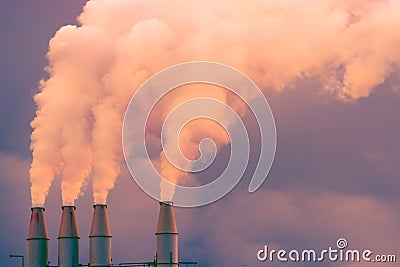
[[100, 240]]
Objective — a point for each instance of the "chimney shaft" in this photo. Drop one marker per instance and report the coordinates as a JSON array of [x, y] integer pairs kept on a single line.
[[37, 239], [100, 238], [68, 239], [167, 236]]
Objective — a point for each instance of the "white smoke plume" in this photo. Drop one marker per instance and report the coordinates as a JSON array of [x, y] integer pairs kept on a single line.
[[94, 68]]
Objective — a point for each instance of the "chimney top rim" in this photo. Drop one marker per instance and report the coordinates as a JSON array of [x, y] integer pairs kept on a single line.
[[69, 207], [100, 205], [37, 208], [167, 203]]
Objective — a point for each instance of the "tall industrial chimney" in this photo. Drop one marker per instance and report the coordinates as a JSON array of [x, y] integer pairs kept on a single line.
[[100, 238], [68, 239], [37, 239], [167, 236]]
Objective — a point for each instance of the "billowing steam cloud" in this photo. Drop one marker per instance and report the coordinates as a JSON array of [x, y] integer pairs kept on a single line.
[[191, 134], [351, 46]]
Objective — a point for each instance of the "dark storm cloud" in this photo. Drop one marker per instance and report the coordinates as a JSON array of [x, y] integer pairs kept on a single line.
[[327, 145]]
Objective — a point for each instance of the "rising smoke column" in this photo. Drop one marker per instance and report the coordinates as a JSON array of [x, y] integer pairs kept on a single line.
[[94, 68], [191, 134], [63, 124]]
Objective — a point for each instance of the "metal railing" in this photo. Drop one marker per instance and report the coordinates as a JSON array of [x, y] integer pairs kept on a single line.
[[153, 264], [137, 264]]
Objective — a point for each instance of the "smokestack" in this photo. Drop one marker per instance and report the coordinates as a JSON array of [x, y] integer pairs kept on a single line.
[[37, 239], [167, 236], [68, 239], [100, 237]]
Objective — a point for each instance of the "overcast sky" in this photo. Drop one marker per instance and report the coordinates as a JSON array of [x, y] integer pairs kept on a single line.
[[335, 174]]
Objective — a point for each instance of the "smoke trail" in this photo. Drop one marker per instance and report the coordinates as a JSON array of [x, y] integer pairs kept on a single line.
[[191, 134], [95, 68]]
